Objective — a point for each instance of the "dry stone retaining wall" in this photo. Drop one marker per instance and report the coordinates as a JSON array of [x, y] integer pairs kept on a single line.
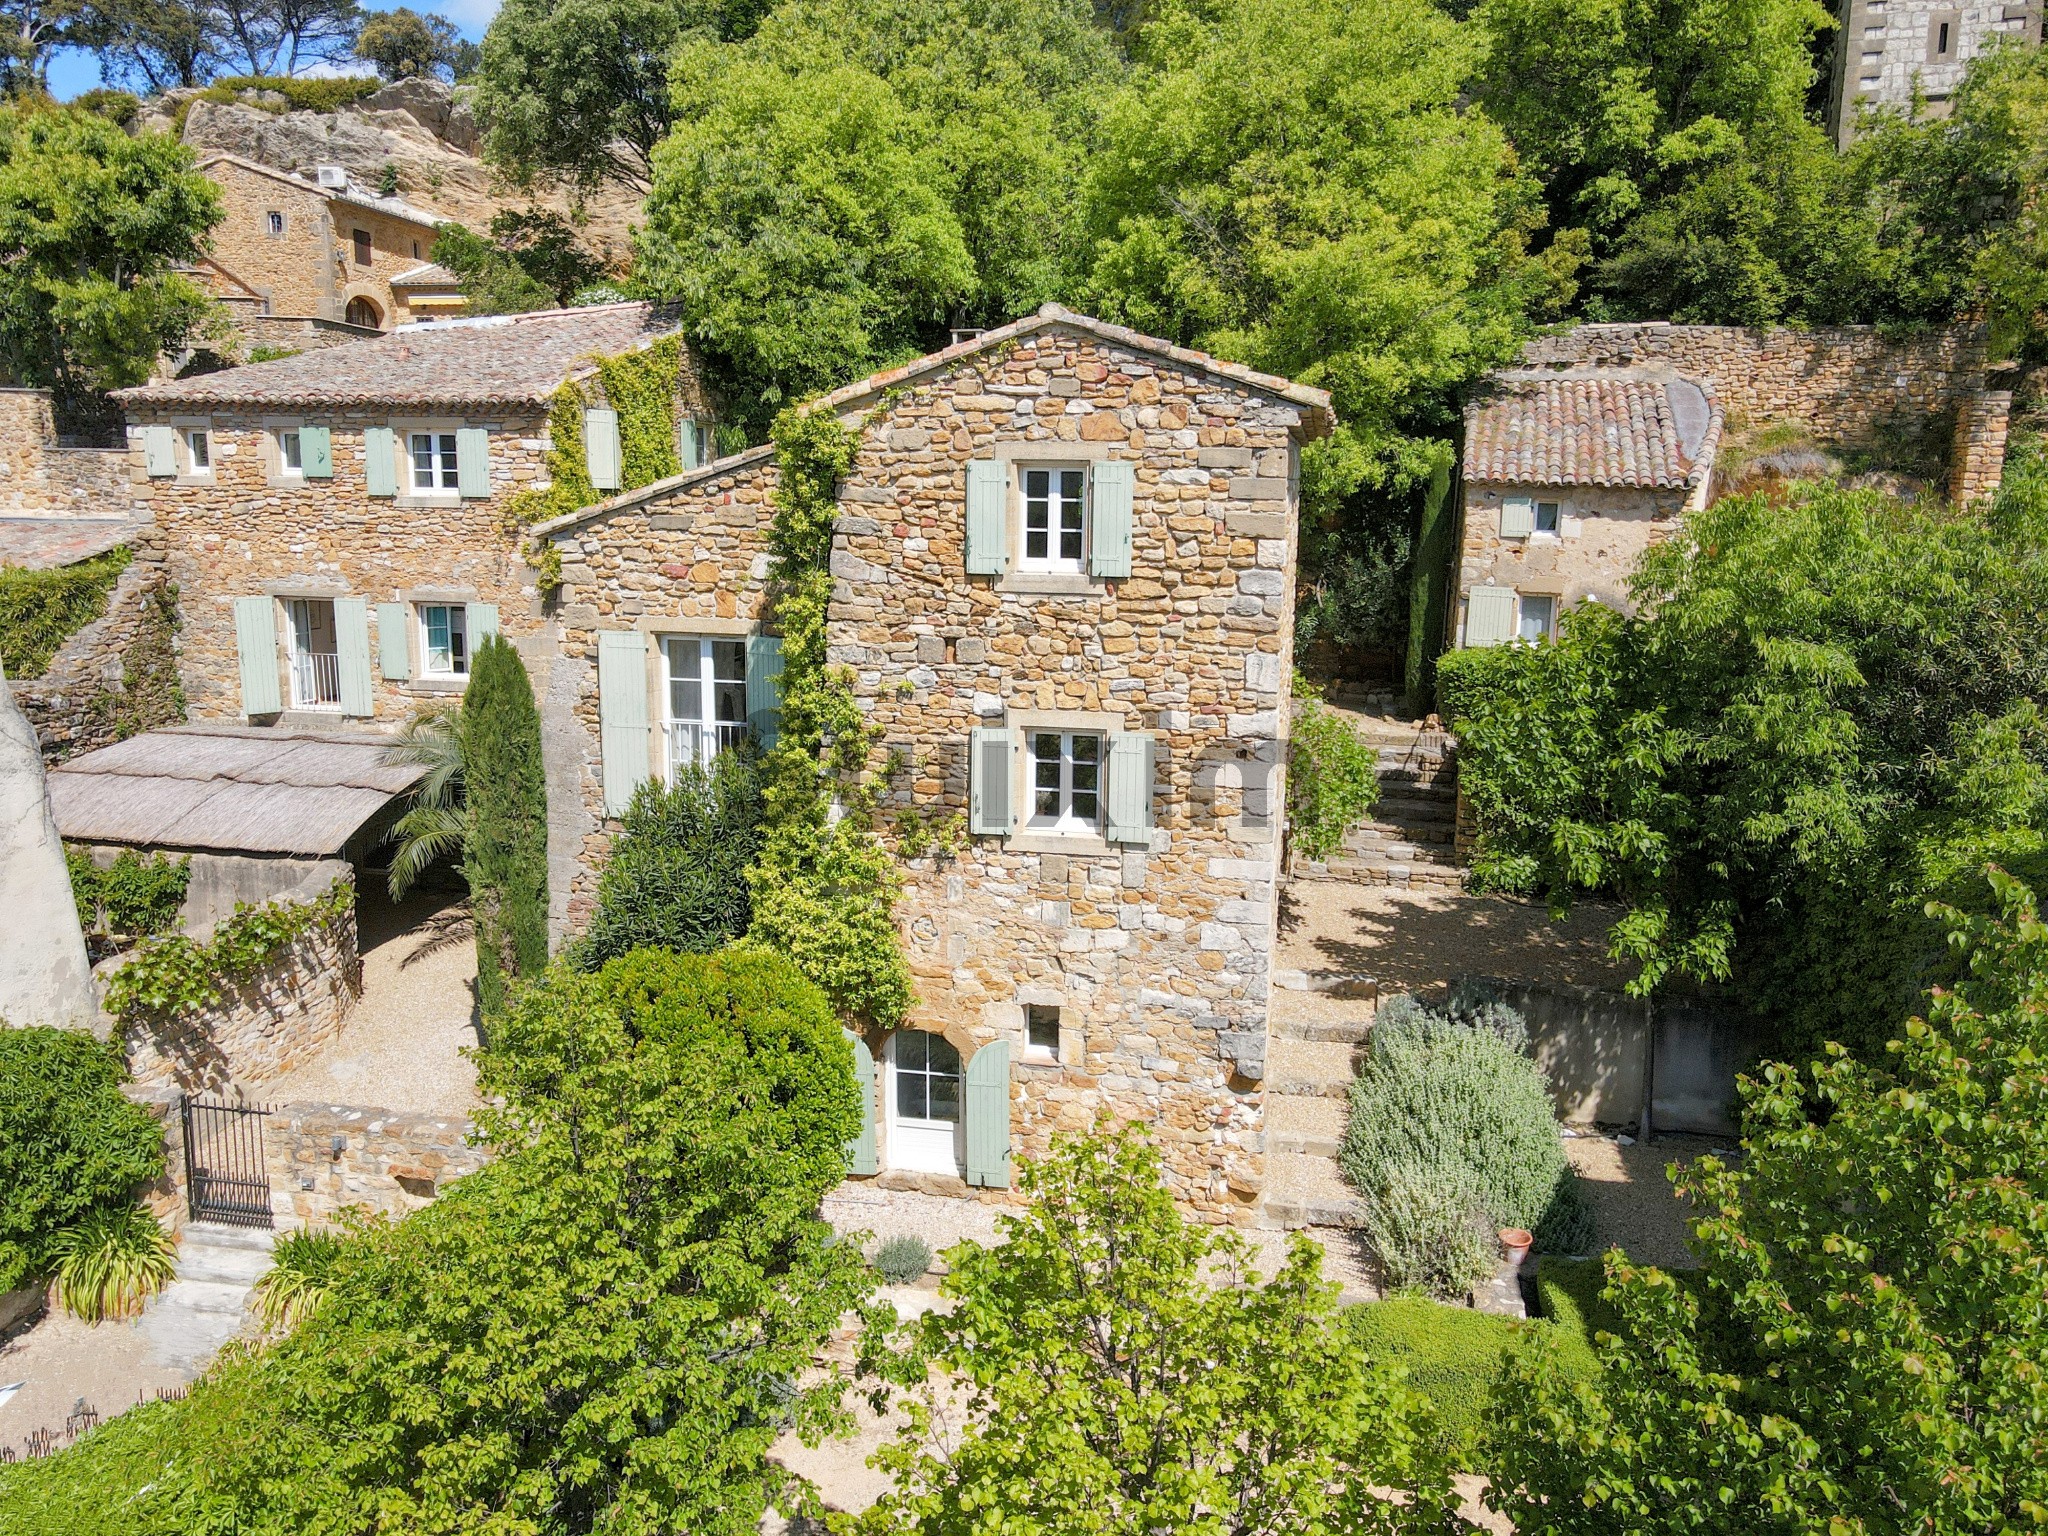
[[327, 1158], [42, 479]]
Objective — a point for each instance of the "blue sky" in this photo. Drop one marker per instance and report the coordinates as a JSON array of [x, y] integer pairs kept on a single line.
[[73, 70]]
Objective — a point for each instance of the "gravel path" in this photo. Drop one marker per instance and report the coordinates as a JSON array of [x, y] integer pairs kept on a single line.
[[62, 1364], [1634, 1205], [401, 1046]]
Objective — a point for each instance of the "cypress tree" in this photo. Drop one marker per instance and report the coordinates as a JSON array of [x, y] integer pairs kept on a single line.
[[506, 853]]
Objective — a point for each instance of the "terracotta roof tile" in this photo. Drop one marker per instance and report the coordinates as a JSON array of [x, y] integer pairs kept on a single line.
[[1613, 428]]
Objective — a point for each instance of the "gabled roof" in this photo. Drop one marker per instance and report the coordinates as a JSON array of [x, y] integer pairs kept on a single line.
[[427, 275], [1609, 427], [1316, 402], [489, 361], [395, 207]]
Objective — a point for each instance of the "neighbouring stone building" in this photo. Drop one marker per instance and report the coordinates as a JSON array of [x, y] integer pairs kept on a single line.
[[310, 506], [323, 248], [1064, 581], [1887, 50]]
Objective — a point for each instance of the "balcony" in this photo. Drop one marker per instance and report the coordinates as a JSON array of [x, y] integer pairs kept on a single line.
[[316, 680]]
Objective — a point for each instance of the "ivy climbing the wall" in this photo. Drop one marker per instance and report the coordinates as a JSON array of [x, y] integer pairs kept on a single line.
[[824, 889], [40, 610], [641, 387], [172, 975]]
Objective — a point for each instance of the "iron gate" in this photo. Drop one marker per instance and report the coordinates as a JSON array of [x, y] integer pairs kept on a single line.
[[226, 1178]]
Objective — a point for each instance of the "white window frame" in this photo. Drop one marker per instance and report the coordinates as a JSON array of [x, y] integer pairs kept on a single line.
[[923, 1143], [273, 221], [1038, 1050], [457, 625], [286, 469], [701, 737], [311, 673], [1522, 601], [445, 472], [1067, 781], [1556, 528], [195, 439], [1076, 565]]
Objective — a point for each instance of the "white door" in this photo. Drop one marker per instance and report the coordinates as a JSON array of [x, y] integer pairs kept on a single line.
[[316, 668], [924, 1103]]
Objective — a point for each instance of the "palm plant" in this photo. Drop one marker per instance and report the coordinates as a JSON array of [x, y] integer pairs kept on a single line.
[[436, 821], [112, 1262], [298, 1281]]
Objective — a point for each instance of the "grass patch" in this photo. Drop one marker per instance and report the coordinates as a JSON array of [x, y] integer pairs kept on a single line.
[[40, 610]]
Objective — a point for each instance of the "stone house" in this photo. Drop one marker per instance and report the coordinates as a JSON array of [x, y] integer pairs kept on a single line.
[[1887, 50], [1568, 477], [1064, 573], [322, 249], [339, 524]]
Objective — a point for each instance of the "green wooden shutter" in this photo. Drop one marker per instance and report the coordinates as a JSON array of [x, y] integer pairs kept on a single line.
[[1130, 788], [159, 451], [380, 461], [394, 642], [764, 688], [1111, 484], [352, 655], [601, 446], [860, 1152], [316, 453], [988, 531], [1517, 517], [1489, 615], [988, 781], [988, 1116], [481, 621], [622, 715], [687, 444], [256, 646], [472, 462]]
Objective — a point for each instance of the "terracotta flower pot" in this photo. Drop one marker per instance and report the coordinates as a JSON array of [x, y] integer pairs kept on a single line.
[[1515, 1243]]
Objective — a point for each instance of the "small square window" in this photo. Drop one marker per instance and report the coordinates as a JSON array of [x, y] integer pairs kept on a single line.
[[199, 450], [290, 461], [1041, 1032], [1538, 615], [1066, 781], [433, 461], [1055, 518], [1546, 516], [444, 640], [276, 222], [362, 241]]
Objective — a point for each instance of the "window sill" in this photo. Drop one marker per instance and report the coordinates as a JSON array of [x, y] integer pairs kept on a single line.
[[1051, 584], [1085, 844], [437, 685]]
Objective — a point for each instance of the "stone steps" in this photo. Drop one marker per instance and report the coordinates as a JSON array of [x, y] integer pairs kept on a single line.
[[1308, 1068], [1411, 839], [1306, 1191], [207, 1302], [1312, 1127]]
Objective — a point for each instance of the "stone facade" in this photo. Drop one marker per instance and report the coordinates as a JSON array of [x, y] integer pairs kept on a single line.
[[1154, 949], [327, 1158], [39, 477], [293, 246], [1887, 50]]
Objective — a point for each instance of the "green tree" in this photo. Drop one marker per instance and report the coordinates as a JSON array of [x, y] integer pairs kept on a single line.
[[435, 824], [1117, 1369], [402, 43], [154, 47], [1824, 714], [531, 259], [30, 30], [94, 224], [676, 877], [1866, 1351], [505, 852]]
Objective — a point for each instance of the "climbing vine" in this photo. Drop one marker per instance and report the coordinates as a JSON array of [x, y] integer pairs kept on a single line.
[[173, 975], [40, 610], [824, 889], [148, 693]]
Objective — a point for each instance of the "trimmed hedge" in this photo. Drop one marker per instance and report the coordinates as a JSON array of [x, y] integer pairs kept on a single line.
[[1568, 1294]]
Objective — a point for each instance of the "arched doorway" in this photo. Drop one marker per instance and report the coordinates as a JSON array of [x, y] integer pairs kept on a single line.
[[924, 1095], [364, 312]]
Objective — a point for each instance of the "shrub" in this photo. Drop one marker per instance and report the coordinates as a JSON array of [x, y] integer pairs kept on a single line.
[[40, 610], [111, 1263], [1445, 1111], [296, 1283], [70, 1144], [1453, 1356], [903, 1258], [676, 878], [120, 107], [135, 896], [1332, 777], [505, 853], [1428, 1228]]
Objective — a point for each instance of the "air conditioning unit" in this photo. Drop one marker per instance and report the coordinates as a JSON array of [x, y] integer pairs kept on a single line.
[[334, 176]]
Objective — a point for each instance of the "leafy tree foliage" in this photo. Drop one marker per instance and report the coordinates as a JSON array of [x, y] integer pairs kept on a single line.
[[676, 878], [532, 259], [1825, 714], [30, 30], [177, 43], [1867, 1351], [1118, 1369], [93, 224], [70, 1144], [505, 851], [402, 43]]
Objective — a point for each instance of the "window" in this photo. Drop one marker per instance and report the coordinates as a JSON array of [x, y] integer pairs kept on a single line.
[[276, 222], [705, 698], [694, 442], [198, 451], [1041, 1032], [1941, 39], [1538, 614], [362, 239], [415, 250], [1546, 516], [927, 1077], [363, 312], [1055, 519], [444, 640], [290, 460], [1066, 781], [433, 461]]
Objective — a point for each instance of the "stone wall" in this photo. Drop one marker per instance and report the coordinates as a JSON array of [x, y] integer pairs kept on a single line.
[[297, 333], [265, 1026], [40, 478], [1849, 384], [327, 1158], [1602, 533]]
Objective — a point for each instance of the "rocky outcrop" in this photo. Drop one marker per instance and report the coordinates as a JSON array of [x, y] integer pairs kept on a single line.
[[44, 977]]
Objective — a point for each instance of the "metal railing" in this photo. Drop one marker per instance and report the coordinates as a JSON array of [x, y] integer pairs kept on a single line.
[[691, 741], [316, 680]]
